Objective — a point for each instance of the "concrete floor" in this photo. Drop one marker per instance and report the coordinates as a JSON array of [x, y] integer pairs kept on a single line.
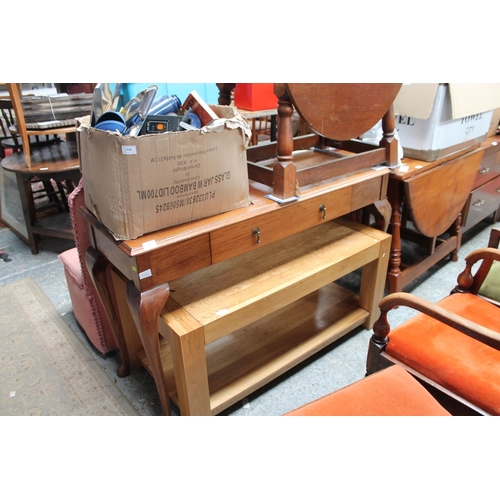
[[335, 366]]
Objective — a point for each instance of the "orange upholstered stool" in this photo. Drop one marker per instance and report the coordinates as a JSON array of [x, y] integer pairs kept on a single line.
[[389, 392], [465, 366]]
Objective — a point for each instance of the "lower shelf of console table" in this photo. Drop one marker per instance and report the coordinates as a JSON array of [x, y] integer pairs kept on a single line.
[[247, 359], [229, 329]]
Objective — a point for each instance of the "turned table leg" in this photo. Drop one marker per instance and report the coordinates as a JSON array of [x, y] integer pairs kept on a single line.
[[28, 205], [225, 90], [145, 308], [395, 274], [98, 267], [457, 231], [389, 141], [284, 170]]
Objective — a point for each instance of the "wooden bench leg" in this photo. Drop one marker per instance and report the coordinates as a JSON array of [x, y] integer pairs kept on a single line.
[[28, 205], [187, 344], [373, 283]]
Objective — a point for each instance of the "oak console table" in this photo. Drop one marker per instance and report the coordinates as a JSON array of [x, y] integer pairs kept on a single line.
[[274, 263], [232, 327]]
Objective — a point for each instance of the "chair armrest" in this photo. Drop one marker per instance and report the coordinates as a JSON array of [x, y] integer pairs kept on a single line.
[[485, 267], [483, 253], [381, 327], [467, 282]]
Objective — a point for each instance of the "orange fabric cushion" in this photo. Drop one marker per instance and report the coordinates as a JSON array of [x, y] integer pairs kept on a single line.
[[389, 392], [460, 363]]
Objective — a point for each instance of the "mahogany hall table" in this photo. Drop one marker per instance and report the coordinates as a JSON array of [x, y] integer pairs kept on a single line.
[[150, 263]]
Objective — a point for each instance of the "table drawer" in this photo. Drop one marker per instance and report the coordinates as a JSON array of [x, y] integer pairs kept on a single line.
[[171, 262], [490, 166], [293, 218], [482, 202]]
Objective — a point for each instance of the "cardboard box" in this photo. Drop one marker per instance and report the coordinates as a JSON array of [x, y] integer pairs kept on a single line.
[[255, 96], [436, 119], [495, 120], [136, 185]]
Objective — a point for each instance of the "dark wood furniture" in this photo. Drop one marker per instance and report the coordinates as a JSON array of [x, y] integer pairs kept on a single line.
[[50, 161], [7, 119], [484, 199], [47, 194], [423, 203], [21, 129], [452, 346], [338, 114], [11, 139], [58, 162], [152, 262], [427, 199]]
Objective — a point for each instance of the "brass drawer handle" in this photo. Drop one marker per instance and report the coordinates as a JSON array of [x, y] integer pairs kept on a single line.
[[478, 203], [322, 209], [484, 170], [256, 233]]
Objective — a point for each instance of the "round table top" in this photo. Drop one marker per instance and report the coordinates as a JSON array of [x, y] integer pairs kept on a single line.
[[57, 157], [342, 111]]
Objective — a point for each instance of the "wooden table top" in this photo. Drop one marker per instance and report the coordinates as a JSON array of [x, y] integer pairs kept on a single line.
[[260, 113], [341, 111], [261, 204], [45, 159], [410, 167]]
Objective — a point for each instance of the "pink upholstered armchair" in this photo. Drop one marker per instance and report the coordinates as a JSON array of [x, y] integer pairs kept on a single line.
[[87, 306]]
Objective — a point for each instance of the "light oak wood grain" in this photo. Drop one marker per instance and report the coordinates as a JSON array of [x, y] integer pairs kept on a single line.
[[234, 326]]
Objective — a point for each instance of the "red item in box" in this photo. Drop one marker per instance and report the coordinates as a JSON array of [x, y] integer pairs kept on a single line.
[[255, 96]]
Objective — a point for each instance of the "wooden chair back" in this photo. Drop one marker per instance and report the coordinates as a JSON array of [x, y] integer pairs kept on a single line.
[[15, 94], [7, 121]]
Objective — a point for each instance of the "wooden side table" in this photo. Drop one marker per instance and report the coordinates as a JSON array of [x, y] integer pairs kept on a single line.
[[430, 196], [58, 162]]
